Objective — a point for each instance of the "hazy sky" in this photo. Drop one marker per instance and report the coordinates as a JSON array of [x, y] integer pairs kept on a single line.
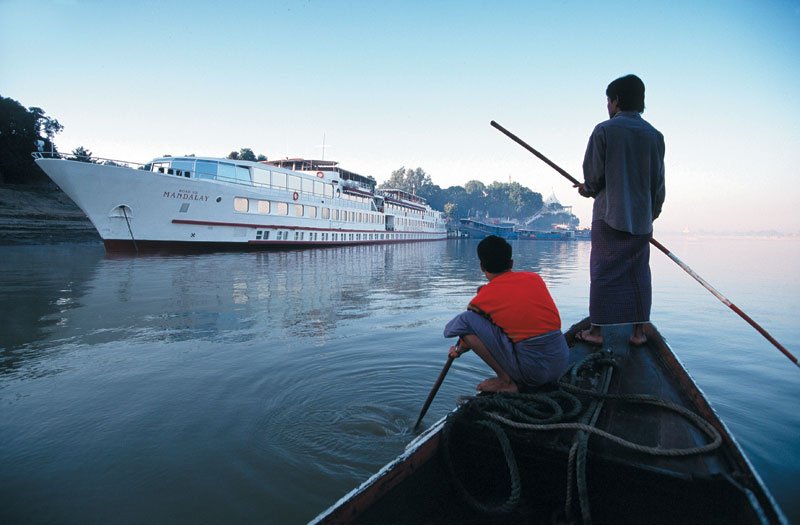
[[415, 84]]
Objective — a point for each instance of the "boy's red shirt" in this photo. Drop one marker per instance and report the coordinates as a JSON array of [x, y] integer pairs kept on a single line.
[[519, 303]]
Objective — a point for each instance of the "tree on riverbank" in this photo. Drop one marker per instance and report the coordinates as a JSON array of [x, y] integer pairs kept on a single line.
[[246, 154], [23, 131], [499, 199]]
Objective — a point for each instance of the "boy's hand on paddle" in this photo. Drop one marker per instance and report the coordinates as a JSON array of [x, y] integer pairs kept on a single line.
[[455, 351]]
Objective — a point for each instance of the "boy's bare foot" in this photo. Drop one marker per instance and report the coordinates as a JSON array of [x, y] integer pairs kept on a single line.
[[588, 336], [495, 384]]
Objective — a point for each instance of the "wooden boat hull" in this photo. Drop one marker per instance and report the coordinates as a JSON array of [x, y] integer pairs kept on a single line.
[[433, 483]]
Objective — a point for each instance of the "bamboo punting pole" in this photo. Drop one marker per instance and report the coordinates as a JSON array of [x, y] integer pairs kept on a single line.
[[661, 247]]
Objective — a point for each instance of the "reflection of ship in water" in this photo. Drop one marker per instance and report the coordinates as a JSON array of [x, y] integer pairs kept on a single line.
[[223, 297], [552, 222]]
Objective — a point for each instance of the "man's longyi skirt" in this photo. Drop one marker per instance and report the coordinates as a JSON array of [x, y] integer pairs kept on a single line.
[[621, 290]]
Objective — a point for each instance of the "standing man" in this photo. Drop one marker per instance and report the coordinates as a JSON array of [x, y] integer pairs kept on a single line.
[[623, 170], [512, 324]]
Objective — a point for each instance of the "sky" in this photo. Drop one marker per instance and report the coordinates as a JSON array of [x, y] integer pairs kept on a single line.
[[385, 85]]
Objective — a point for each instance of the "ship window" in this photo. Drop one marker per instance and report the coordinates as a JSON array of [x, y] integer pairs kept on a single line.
[[278, 179], [311, 212], [326, 213], [240, 204], [184, 207], [298, 210], [293, 182], [281, 208], [263, 206], [226, 171], [308, 186], [206, 169], [329, 190], [261, 176], [258, 234], [243, 174], [181, 164], [318, 187]]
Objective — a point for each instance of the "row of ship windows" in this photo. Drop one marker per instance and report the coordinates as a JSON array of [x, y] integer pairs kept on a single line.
[[405, 211], [282, 235], [264, 207]]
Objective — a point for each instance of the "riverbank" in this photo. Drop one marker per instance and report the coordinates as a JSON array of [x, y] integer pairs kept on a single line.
[[41, 215]]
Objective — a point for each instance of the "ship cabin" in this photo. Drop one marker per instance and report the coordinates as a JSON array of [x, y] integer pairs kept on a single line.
[[354, 187]]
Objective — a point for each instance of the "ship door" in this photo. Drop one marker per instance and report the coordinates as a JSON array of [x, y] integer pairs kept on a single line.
[[390, 223]]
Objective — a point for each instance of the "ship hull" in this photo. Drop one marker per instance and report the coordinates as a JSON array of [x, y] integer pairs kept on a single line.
[[141, 210]]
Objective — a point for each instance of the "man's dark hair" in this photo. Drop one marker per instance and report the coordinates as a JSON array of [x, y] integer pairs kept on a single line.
[[495, 254], [628, 91]]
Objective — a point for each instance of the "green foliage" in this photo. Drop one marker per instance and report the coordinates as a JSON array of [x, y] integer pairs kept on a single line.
[[499, 199], [246, 154], [412, 181], [20, 131], [82, 154]]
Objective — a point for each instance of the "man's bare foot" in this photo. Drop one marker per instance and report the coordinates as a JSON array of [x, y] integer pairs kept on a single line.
[[495, 384], [590, 337], [637, 339]]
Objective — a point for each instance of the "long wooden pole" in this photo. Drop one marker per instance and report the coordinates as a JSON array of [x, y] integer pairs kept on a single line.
[[433, 391], [661, 247]]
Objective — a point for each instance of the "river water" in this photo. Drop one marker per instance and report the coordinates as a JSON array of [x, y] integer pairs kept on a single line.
[[261, 387]]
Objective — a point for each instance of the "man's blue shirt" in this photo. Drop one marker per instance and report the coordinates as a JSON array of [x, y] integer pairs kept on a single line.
[[624, 169]]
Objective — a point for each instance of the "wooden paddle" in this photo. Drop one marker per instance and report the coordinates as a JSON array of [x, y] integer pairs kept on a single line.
[[661, 247], [433, 391]]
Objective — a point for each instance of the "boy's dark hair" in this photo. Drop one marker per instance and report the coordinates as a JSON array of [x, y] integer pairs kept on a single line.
[[628, 91], [495, 254]]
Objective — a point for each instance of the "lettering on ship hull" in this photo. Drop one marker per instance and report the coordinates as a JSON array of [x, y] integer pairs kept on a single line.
[[185, 195]]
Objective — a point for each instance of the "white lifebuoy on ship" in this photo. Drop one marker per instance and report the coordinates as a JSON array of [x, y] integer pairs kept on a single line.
[[295, 195], [320, 174]]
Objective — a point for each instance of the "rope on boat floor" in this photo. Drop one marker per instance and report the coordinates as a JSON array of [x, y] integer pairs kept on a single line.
[[543, 411]]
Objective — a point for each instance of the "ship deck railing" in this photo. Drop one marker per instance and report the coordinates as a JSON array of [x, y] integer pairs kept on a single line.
[[88, 159]]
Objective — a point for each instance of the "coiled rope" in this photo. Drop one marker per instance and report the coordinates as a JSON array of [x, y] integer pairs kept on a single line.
[[543, 411]]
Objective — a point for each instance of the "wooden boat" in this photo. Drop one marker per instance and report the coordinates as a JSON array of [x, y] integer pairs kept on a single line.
[[571, 468]]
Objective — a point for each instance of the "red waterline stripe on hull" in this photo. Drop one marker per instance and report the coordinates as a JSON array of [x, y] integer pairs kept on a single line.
[[118, 245]]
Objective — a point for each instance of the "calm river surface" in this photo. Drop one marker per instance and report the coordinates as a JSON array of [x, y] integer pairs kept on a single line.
[[261, 387]]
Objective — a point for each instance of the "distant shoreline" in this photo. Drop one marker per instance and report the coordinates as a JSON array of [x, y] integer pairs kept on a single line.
[[43, 214]]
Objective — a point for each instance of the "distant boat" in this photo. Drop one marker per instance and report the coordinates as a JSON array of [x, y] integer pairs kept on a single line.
[[213, 203], [479, 229], [606, 452], [552, 222]]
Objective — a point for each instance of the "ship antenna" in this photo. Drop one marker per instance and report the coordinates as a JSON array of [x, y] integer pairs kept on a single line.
[[323, 146]]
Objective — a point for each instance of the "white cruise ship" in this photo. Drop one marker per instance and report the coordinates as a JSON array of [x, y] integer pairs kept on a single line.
[[179, 203]]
